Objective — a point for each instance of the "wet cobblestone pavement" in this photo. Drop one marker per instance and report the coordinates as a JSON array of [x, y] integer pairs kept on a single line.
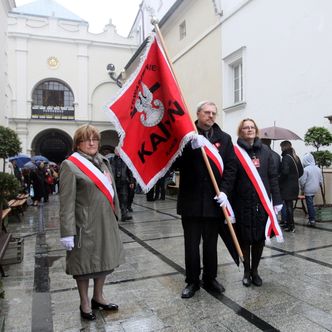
[[296, 294]]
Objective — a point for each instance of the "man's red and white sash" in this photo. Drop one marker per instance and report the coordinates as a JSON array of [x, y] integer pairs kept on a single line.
[[272, 222], [214, 156], [95, 175]]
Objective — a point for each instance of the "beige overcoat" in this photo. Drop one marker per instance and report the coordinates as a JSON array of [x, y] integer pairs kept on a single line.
[[86, 214]]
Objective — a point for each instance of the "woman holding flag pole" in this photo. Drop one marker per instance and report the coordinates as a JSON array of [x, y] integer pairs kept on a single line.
[[256, 184], [89, 210]]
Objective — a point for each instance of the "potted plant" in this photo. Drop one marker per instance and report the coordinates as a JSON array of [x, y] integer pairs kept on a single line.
[[318, 137]]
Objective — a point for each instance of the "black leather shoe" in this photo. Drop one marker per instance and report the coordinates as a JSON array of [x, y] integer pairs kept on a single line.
[[125, 218], [87, 315], [290, 229], [246, 281], [189, 291], [214, 286], [256, 280], [109, 307]]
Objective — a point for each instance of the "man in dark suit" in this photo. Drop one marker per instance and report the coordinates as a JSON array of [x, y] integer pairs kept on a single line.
[[201, 216]]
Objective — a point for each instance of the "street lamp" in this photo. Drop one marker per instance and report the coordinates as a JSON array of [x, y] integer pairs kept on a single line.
[[111, 72]]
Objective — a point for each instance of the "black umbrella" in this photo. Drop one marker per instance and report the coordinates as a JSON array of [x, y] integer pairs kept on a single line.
[[227, 238]]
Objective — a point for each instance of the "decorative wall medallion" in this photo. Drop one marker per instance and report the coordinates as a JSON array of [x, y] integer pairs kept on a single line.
[[53, 62]]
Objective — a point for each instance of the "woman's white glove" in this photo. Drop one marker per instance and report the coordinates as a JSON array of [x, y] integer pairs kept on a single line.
[[197, 141], [277, 208], [221, 199], [67, 242]]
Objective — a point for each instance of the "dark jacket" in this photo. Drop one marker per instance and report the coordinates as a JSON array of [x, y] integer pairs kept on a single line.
[[250, 214], [196, 192], [122, 174], [290, 172]]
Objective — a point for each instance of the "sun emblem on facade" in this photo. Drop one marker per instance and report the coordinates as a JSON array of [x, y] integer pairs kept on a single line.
[[53, 62]]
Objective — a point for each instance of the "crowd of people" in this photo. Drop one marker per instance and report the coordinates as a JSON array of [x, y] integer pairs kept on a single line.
[[97, 192], [39, 179]]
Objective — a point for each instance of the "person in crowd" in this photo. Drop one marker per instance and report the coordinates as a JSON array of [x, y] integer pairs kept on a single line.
[[150, 194], [123, 180], [310, 182], [131, 194], [160, 188], [55, 175], [37, 178], [251, 216], [290, 171], [49, 181], [277, 161], [275, 156], [199, 212], [89, 210], [16, 171], [26, 180]]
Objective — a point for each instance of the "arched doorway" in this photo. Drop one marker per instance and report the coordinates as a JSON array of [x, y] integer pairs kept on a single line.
[[54, 144]]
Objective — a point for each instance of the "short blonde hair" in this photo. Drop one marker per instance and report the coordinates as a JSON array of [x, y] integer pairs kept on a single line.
[[239, 128], [84, 133]]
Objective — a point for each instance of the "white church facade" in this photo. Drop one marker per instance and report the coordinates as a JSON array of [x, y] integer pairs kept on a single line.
[[59, 77]]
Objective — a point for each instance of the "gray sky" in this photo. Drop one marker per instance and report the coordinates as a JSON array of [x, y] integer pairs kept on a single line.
[[98, 12]]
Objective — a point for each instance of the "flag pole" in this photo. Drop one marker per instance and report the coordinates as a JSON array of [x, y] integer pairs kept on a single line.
[[154, 22]]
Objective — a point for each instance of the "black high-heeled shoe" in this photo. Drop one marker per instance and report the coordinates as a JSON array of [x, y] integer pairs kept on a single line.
[[87, 315], [110, 306]]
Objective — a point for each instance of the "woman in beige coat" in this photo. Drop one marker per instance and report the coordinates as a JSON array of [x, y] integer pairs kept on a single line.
[[89, 210]]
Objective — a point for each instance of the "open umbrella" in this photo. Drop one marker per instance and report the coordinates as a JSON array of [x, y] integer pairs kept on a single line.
[[278, 133], [21, 159], [39, 158], [29, 165]]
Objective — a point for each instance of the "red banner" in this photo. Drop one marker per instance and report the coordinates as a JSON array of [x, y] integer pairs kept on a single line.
[[151, 118]]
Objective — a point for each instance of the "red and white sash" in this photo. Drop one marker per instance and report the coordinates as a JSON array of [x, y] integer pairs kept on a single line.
[[272, 222], [96, 176], [213, 154]]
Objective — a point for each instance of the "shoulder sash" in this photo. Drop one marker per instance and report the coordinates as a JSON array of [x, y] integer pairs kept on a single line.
[[95, 175], [214, 156], [272, 224]]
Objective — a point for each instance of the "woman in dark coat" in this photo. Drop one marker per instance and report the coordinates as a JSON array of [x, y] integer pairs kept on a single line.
[[251, 217], [290, 171]]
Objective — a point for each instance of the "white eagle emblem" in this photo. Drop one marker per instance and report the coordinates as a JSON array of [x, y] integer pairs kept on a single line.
[[145, 104]]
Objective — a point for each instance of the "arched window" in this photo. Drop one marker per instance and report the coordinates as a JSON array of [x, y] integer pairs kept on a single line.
[[52, 100]]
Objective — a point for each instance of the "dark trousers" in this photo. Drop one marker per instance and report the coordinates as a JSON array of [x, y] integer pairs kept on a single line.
[[160, 190], [254, 250], [289, 212], [122, 189], [131, 194], [194, 230]]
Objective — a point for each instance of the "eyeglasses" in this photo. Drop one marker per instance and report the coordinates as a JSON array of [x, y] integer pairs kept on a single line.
[[248, 128], [90, 140], [209, 113]]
